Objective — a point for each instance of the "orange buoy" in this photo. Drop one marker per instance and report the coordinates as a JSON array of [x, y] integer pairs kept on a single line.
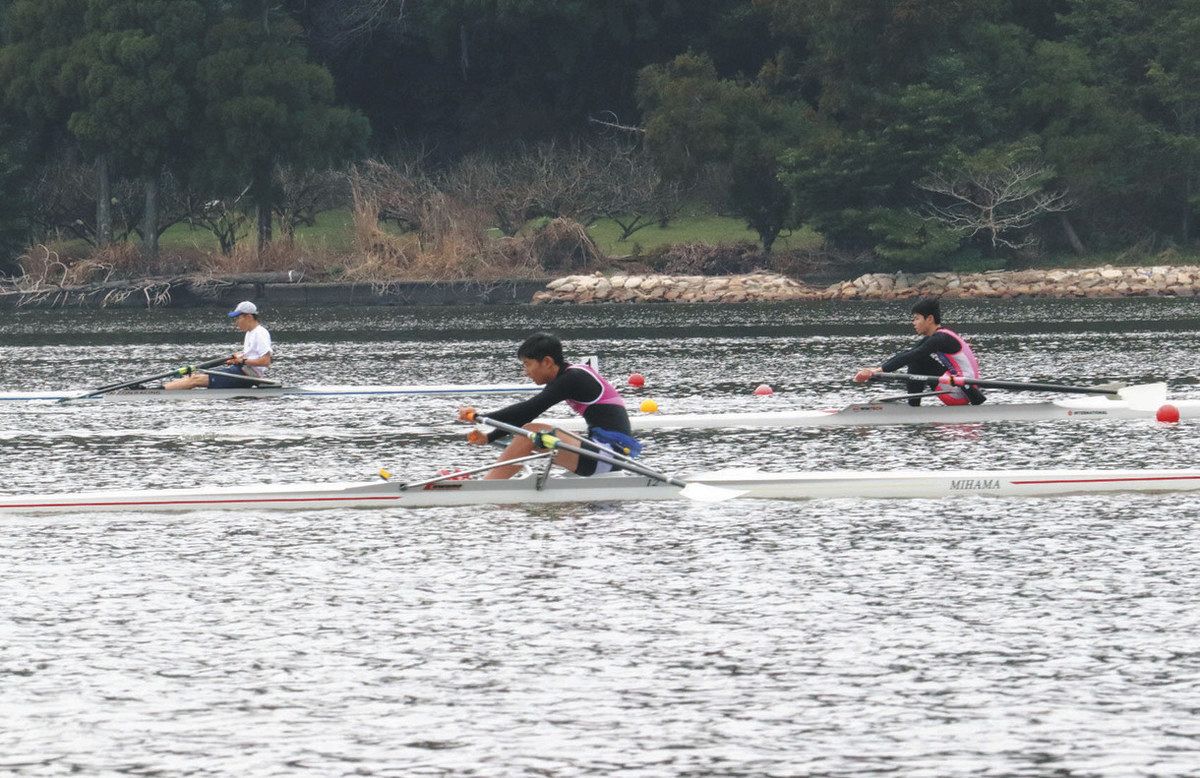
[[637, 379], [649, 406], [1168, 414], [763, 390]]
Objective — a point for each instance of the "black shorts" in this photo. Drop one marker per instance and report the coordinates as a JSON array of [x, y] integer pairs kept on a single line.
[[221, 382], [588, 466]]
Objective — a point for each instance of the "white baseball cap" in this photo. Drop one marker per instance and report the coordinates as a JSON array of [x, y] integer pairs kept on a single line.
[[245, 306]]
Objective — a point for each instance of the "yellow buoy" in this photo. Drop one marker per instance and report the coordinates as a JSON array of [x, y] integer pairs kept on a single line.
[[649, 406]]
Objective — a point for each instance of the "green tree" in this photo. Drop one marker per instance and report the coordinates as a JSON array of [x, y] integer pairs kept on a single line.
[[1172, 91], [1131, 129], [265, 103], [899, 89], [852, 54], [38, 38], [693, 119], [483, 74], [14, 168], [136, 68], [39, 80]]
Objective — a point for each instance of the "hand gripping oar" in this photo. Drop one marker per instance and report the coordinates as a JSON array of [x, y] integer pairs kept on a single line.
[[178, 372], [1138, 393], [693, 490]]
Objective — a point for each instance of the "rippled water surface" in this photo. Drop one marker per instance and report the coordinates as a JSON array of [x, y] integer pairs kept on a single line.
[[845, 637]]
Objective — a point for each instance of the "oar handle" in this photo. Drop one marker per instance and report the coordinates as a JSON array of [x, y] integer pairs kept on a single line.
[[983, 383], [265, 383], [471, 416], [551, 441]]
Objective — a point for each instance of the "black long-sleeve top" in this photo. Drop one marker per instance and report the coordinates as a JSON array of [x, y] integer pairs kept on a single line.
[[570, 384], [920, 358], [937, 343]]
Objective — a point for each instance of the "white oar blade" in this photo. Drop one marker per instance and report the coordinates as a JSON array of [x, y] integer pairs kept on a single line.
[[708, 493], [1144, 396]]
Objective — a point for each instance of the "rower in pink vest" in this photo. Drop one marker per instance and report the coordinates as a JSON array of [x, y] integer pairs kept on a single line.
[[940, 352], [583, 389]]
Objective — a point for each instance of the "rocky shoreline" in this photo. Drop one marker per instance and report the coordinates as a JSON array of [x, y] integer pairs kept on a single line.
[[1107, 281], [280, 289]]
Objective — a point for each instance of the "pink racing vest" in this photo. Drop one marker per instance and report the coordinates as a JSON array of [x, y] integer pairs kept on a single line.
[[960, 365], [608, 395]]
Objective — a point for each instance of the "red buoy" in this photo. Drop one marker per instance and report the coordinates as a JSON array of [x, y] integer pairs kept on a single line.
[[637, 379], [762, 390], [1168, 414]]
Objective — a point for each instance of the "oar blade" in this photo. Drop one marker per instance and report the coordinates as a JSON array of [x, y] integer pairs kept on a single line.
[[1144, 396], [701, 492]]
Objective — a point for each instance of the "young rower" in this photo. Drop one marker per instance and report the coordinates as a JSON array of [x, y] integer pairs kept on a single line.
[[583, 389], [940, 352], [252, 360]]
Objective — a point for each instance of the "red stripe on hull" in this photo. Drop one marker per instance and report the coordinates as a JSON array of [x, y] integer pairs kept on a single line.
[[246, 501], [1108, 480]]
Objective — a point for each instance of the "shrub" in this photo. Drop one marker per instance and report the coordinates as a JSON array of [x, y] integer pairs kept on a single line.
[[707, 260], [563, 244], [906, 241]]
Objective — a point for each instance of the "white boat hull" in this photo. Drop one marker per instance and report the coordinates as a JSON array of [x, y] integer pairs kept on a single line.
[[882, 414], [854, 415], [614, 487], [192, 395]]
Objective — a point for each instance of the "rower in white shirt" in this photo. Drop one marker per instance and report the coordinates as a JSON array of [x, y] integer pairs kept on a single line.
[[252, 360]]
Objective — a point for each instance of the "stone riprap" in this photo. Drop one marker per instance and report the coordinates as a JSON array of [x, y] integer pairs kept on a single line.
[[599, 288], [1107, 281]]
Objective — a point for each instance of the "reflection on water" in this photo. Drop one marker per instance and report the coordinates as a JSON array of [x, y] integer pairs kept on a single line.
[[837, 637]]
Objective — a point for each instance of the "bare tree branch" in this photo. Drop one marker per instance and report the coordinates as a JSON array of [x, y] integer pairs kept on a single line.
[[224, 217], [343, 24], [615, 124], [634, 193], [400, 190], [1000, 203], [64, 194], [304, 193], [496, 186]]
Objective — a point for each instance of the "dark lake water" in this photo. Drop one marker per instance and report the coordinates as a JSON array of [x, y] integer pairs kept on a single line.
[[840, 637]]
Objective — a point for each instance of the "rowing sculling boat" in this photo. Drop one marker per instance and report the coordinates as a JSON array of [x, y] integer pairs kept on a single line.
[[884, 413], [135, 390], [532, 489], [159, 395], [854, 415]]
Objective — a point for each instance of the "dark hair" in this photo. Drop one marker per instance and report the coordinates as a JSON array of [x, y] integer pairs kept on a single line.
[[540, 345], [928, 306]]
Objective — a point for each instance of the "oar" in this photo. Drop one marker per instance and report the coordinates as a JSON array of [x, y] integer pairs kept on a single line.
[[176, 373], [693, 490], [265, 383], [386, 474], [1134, 393]]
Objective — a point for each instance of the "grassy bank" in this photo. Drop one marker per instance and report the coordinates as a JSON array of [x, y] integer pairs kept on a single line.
[[334, 231], [331, 230]]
